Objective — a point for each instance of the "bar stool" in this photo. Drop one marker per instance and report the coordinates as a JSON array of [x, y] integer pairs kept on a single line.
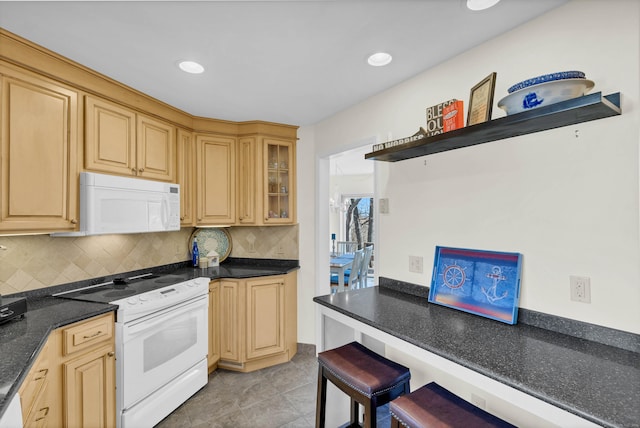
[[366, 377], [434, 406]]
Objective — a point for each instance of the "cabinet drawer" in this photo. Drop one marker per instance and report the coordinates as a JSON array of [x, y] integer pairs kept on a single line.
[[33, 386], [38, 415], [87, 333]]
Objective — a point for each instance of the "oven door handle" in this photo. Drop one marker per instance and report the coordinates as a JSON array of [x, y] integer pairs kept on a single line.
[[141, 325]]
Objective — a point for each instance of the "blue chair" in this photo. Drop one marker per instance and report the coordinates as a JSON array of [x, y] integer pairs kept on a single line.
[[351, 275]]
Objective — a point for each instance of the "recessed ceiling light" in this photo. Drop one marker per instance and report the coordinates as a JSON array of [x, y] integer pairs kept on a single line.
[[481, 4], [379, 59], [191, 67]]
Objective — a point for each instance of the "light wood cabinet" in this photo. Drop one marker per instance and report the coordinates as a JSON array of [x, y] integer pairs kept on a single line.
[[34, 398], [72, 382], [89, 392], [265, 316], [186, 176], [258, 322], [87, 359], [232, 326], [266, 181], [213, 355], [121, 141], [215, 180], [39, 154], [279, 186], [249, 180]]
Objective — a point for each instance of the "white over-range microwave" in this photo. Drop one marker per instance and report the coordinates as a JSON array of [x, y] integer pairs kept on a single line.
[[113, 204]]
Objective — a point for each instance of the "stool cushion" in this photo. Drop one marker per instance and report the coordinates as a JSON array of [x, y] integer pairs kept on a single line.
[[363, 370], [435, 406]]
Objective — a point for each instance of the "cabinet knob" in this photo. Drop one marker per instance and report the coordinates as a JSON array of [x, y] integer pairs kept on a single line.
[[73, 221], [111, 354], [141, 170], [133, 171], [182, 218]]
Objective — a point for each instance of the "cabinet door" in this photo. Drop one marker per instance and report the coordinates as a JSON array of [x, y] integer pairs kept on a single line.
[[38, 151], [186, 173], [215, 180], [265, 316], [214, 324], [156, 149], [110, 131], [89, 389], [280, 184], [232, 320], [247, 175]]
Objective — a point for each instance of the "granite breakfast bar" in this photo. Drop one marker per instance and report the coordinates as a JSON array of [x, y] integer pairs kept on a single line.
[[529, 375]]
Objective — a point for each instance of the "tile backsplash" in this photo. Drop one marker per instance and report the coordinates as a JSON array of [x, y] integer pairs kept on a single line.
[[38, 261]]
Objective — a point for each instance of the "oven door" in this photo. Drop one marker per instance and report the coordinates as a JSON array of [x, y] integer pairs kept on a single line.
[[153, 350]]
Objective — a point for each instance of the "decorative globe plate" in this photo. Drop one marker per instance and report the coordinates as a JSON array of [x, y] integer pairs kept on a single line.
[[212, 239], [546, 78], [544, 94]]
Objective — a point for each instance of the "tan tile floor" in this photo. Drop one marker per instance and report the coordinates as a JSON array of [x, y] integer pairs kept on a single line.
[[280, 396]]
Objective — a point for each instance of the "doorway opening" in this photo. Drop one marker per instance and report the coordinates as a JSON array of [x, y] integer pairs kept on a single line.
[[352, 221]]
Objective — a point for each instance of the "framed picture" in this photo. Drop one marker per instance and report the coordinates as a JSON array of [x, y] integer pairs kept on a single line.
[[481, 100], [485, 283]]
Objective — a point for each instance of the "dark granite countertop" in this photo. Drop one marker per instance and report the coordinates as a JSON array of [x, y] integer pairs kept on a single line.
[[597, 382], [22, 339]]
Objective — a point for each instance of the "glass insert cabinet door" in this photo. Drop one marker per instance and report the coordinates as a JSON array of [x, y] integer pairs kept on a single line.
[[279, 191]]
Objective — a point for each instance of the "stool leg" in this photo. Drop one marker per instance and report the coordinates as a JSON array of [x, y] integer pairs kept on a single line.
[[321, 398], [354, 412], [370, 414], [395, 423]]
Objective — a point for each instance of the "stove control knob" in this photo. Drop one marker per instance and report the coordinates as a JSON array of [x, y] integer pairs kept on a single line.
[[143, 298], [132, 300]]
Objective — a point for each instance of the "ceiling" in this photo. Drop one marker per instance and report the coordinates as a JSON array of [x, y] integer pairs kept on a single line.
[[293, 62]]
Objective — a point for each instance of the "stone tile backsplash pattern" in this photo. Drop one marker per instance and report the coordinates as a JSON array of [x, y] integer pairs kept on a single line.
[[38, 261], [268, 242]]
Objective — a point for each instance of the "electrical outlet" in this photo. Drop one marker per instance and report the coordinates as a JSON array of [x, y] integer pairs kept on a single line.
[[580, 287], [415, 264]]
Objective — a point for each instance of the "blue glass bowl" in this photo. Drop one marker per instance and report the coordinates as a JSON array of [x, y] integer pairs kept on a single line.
[[547, 78]]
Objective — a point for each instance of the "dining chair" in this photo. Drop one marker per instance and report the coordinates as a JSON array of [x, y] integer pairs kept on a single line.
[[368, 252], [344, 247], [351, 275]]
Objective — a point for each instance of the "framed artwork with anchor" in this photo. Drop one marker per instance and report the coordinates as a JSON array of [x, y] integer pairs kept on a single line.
[[485, 283]]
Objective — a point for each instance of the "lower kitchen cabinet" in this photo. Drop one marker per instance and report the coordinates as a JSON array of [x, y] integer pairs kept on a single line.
[[72, 382], [214, 325], [258, 322], [34, 392], [89, 389]]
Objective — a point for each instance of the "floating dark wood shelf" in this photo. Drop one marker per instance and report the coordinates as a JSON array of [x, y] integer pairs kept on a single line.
[[582, 109]]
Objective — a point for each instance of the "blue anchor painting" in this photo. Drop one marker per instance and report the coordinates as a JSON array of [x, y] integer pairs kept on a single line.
[[531, 100]]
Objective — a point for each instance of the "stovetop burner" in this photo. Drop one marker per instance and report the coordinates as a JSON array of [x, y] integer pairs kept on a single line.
[[125, 287]]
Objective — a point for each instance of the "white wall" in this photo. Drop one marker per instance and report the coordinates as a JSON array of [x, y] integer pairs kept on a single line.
[[569, 205]]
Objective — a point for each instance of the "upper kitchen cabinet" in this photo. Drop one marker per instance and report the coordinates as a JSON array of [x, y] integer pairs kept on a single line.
[[121, 141], [186, 176], [39, 151], [266, 176], [279, 187], [248, 181], [215, 180]]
